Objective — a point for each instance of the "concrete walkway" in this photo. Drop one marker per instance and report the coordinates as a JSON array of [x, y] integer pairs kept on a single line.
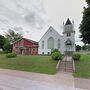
[[66, 65], [67, 58], [82, 83], [19, 80]]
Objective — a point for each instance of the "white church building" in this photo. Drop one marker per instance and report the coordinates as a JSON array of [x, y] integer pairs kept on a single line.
[[53, 40]]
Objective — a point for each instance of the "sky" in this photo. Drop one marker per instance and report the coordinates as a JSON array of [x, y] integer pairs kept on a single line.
[[59, 10], [32, 18]]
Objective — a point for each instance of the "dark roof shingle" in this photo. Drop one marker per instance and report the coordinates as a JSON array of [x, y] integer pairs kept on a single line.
[[68, 22]]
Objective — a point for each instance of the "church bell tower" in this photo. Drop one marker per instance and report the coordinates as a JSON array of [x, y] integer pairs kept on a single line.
[[69, 36]]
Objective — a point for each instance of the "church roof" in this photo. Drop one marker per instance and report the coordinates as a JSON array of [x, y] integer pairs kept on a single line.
[[50, 29], [68, 22]]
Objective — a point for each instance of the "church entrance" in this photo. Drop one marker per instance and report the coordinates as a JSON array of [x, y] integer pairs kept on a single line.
[[68, 48]]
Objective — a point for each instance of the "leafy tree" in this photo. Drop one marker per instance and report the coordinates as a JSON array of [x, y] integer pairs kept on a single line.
[[12, 36], [7, 46], [88, 2], [78, 47], [85, 24], [84, 47], [2, 41]]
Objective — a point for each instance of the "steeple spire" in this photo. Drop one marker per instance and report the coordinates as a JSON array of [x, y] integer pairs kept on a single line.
[[68, 22]]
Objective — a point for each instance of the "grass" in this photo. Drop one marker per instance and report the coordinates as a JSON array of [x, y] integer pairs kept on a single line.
[[39, 64], [83, 67]]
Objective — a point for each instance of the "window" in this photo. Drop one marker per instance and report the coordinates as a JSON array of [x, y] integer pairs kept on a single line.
[[50, 30], [68, 34], [58, 43], [42, 44], [50, 43], [48, 53]]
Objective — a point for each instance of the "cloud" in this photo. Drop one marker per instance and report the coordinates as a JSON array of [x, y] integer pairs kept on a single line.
[[30, 18], [23, 16]]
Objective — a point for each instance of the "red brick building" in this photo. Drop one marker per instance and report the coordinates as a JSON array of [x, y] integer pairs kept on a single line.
[[25, 47]]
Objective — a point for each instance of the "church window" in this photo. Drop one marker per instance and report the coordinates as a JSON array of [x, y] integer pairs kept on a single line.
[[58, 43], [68, 34], [42, 44], [50, 30], [48, 53], [50, 43]]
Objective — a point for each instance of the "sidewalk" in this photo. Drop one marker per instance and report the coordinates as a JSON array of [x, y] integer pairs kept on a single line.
[[78, 82], [19, 80], [82, 83]]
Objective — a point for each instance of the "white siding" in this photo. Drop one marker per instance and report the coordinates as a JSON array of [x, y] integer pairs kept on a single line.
[[52, 33]]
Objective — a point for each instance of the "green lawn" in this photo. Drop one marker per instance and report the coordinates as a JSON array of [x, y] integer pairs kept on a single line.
[[39, 64], [83, 67]]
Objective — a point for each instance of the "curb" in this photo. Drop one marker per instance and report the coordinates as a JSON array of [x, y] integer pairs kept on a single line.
[[58, 64], [74, 70]]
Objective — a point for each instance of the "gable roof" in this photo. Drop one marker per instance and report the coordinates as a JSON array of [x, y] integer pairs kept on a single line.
[[68, 22], [30, 40], [25, 39], [50, 28]]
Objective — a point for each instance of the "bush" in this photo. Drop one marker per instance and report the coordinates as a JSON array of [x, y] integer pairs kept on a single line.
[[76, 56], [56, 55], [4, 52], [11, 55], [55, 50]]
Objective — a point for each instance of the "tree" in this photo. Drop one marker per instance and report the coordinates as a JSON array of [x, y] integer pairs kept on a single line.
[[7, 46], [78, 47], [84, 47], [2, 41], [12, 36], [88, 2], [85, 24]]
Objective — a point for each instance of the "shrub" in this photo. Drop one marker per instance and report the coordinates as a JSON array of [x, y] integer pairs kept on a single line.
[[56, 55], [4, 52], [76, 56], [55, 50], [11, 55]]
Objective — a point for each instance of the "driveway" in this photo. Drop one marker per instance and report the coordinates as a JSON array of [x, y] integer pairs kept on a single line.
[[19, 80]]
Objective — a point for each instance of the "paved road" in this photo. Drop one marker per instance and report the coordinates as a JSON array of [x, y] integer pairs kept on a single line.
[[18, 80]]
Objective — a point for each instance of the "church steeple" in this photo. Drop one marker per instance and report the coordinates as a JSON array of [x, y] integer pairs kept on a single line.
[[68, 22], [68, 26]]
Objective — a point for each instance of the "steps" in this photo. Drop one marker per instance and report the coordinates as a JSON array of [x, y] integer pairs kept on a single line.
[[66, 66]]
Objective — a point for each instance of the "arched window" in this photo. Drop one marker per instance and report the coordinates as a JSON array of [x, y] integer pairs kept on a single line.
[[50, 43], [58, 43], [42, 44]]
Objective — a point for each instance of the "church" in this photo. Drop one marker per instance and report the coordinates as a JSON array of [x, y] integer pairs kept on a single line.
[[53, 40]]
